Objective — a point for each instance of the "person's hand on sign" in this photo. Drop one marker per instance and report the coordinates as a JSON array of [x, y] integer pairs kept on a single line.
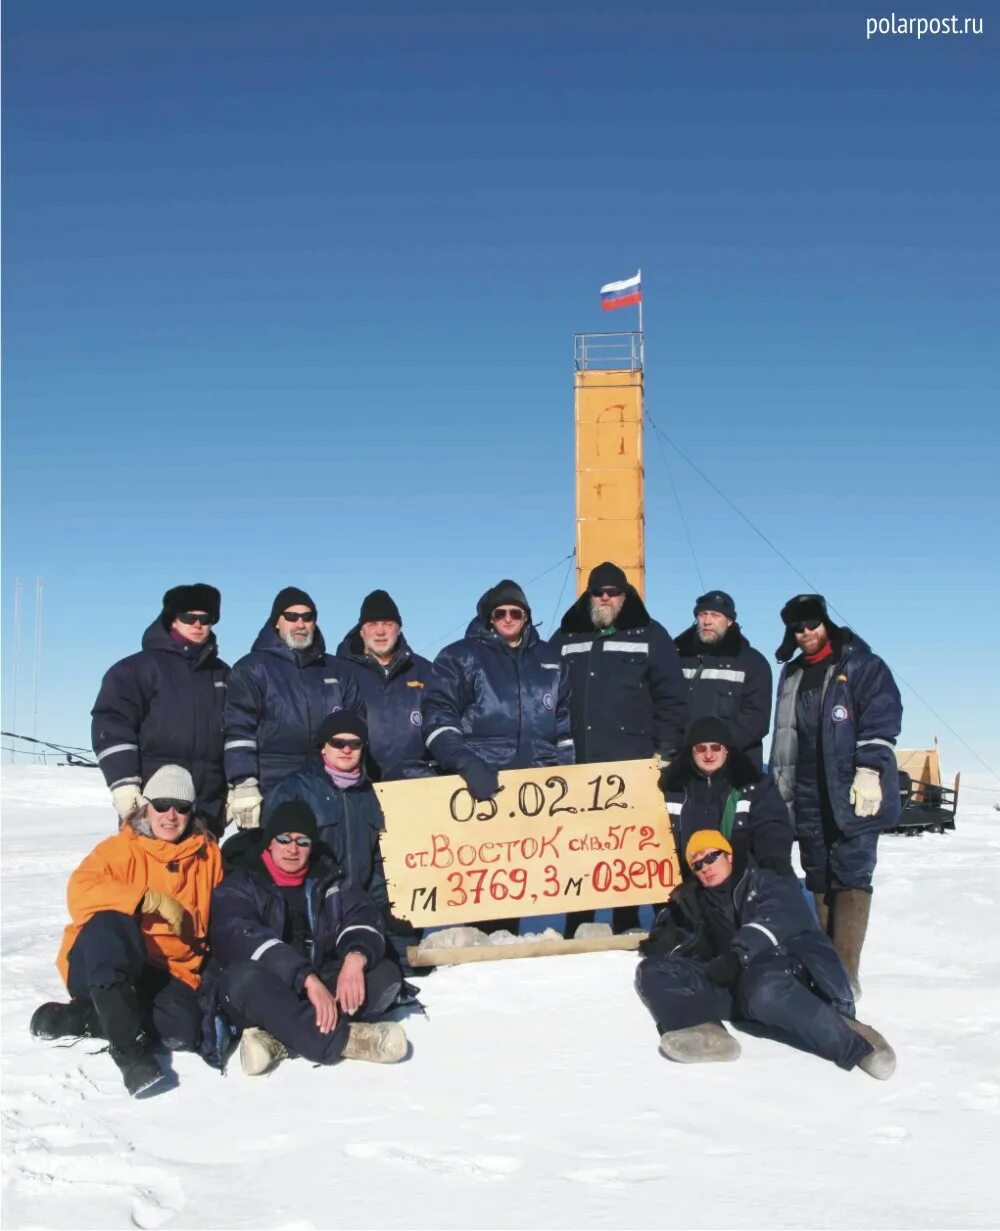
[[482, 780], [351, 983], [322, 1000]]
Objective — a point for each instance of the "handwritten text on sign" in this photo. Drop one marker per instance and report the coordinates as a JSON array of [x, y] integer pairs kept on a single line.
[[562, 838]]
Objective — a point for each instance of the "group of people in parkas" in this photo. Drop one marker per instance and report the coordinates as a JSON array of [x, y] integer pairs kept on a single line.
[[284, 938]]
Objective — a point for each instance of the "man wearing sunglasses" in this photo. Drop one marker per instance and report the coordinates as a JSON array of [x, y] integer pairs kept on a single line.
[[498, 699], [629, 699], [393, 681], [335, 785], [833, 756], [278, 695], [711, 784], [163, 706], [747, 948], [298, 951], [726, 677]]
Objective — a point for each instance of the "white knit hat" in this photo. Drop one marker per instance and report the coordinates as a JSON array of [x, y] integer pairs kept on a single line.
[[170, 782]]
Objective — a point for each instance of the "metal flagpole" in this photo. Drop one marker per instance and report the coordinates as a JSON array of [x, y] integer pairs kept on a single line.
[[38, 652], [17, 655], [642, 336]]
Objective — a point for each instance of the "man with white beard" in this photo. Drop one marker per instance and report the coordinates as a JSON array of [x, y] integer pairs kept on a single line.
[[629, 699], [278, 695]]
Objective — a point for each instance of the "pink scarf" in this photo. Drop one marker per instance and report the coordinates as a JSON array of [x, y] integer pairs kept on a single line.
[[341, 779], [284, 879]]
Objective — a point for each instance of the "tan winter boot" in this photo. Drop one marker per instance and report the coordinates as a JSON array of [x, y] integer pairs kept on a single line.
[[881, 1064], [702, 1044], [823, 910], [380, 1042], [851, 908], [260, 1052]]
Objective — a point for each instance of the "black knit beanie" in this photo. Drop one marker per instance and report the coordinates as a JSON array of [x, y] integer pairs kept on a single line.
[[507, 591], [716, 600], [292, 816], [707, 730], [607, 574], [340, 722], [379, 606], [290, 596]]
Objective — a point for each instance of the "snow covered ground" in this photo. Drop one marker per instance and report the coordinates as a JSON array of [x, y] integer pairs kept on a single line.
[[535, 1095]]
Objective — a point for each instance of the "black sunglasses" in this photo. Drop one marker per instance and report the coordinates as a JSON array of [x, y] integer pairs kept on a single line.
[[607, 592], [183, 806], [706, 861], [293, 617], [194, 617], [508, 613], [351, 743], [286, 839], [805, 626]]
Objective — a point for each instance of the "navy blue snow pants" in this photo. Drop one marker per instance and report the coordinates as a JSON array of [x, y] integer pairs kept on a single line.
[[772, 990], [110, 950], [252, 996]]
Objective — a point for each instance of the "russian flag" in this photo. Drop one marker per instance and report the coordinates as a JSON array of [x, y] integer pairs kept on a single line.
[[622, 294]]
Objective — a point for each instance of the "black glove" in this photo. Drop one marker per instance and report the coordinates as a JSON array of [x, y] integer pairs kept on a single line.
[[724, 969], [481, 779]]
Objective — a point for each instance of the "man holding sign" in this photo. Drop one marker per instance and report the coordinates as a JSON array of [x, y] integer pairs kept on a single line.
[[499, 698]]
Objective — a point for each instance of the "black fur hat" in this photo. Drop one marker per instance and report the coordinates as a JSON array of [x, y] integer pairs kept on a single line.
[[197, 597], [801, 607]]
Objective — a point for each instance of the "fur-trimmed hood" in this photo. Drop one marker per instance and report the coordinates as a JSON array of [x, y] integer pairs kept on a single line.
[[690, 645], [632, 615]]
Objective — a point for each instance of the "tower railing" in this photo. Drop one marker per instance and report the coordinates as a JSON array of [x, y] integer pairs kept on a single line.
[[612, 352]]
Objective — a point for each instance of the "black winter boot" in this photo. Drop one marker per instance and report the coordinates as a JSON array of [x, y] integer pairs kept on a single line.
[[121, 1024], [851, 908], [77, 1020]]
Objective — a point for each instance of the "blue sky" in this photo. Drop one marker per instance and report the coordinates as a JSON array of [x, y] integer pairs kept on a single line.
[[289, 297]]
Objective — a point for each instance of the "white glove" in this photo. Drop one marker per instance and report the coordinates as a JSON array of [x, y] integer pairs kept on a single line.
[[243, 805], [127, 799], [866, 792]]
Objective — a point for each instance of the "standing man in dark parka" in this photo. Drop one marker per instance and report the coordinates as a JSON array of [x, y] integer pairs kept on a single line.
[[628, 697], [833, 756], [279, 693], [727, 678], [163, 706], [393, 682]]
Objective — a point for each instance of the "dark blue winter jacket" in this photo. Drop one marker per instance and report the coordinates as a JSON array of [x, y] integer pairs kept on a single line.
[[249, 921], [394, 698], [729, 679], [509, 708], [771, 917], [277, 699], [349, 821], [760, 825], [860, 716], [163, 706], [629, 698]]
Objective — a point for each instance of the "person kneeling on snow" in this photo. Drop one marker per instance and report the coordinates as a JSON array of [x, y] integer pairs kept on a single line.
[[748, 950], [300, 951], [132, 956]]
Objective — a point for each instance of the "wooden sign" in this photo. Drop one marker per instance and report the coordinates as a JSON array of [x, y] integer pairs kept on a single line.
[[557, 839]]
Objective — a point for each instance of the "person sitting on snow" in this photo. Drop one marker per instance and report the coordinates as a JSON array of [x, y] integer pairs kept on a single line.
[[751, 951], [132, 956], [299, 951]]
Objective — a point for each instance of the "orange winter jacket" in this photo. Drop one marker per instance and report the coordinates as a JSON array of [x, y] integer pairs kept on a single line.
[[117, 873]]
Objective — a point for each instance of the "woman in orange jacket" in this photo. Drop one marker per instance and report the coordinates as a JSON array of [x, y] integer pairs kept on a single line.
[[132, 955]]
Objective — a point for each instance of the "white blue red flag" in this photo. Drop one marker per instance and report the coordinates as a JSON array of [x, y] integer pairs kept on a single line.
[[622, 294]]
